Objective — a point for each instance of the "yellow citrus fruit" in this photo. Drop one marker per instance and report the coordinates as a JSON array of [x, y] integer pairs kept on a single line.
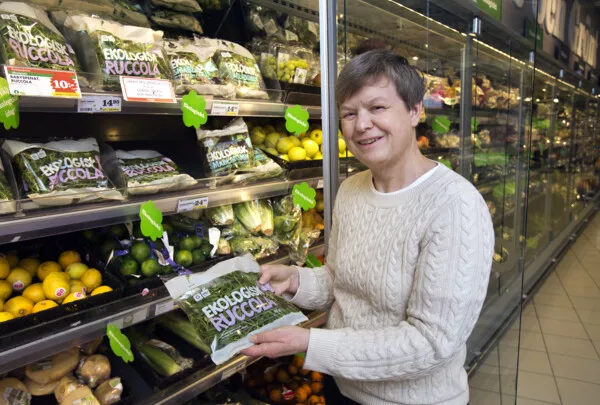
[[101, 290], [18, 306], [12, 259], [30, 264], [74, 296], [57, 286], [271, 140], [1, 305], [76, 270], [284, 145], [6, 316], [35, 293], [4, 268], [318, 156], [5, 290], [272, 151], [68, 257], [92, 279], [311, 147], [78, 286], [296, 154], [295, 140], [19, 279], [342, 145], [317, 136], [46, 268], [44, 305], [285, 157]]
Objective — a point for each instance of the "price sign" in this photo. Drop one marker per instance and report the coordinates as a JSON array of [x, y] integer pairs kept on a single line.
[[99, 104], [225, 108], [24, 81], [192, 204], [145, 90]]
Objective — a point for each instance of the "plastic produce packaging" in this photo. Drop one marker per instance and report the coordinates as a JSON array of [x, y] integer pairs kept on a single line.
[[226, 305], [13, 392], [293, 64], [189, 6], [109, 392], [174, 19], [94, 370], [147, 171], [7, 203], [220, 216], [61, 172]]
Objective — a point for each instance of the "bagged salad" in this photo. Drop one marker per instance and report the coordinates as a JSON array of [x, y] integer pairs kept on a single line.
[[226, 305], [147, 171], [62, 172], [7, 203], [173, 19]]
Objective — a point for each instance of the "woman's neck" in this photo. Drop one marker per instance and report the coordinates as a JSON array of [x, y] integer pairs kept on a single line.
[[408, 168]]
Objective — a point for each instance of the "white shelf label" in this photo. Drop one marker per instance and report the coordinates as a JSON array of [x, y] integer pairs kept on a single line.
[[23, 81], [192, 204], [99, 104], [225, 108], [146, 90], [320, 183], [131, 319], [164, 307]]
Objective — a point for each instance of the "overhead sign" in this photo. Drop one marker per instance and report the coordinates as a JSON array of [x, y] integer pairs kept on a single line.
[[493, 8]]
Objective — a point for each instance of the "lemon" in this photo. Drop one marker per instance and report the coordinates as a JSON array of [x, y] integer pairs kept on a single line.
[[257, 136], [18, 306], [68, 257], [30, 264], [284, 145], [35, 293], [78, 286], [92, 279], [76, 270], [19, 279], [316, 135], [272, 151], [285, 157], [342, 146], [46, 268], [318, 156], [12, 259], [295, 140], [101, 290], [4, 268], [75, 296], [311, 147], [350, 153], [6, 316], [272, 139], [296, 154], [57, 286], [44, 305], [5, 290]]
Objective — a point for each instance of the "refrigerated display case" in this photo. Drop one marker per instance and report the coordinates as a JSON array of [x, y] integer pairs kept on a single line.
[[527, 139]]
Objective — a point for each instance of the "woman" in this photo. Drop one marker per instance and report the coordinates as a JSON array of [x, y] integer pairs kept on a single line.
[[409, 257]]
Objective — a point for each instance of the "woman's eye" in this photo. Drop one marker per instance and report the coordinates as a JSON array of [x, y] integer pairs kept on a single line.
[[378, 108], [348, 115]]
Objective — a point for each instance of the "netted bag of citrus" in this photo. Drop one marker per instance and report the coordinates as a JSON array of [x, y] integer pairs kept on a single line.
[[226, 305]]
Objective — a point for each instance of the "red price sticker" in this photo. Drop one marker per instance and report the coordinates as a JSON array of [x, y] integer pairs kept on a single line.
[[24, 81], [64, 83]]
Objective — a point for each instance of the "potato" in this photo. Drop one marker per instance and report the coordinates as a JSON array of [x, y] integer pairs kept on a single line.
[[109, 392], [65, 386], [82, 395], [38, 390], [94, 370], [53, 368], [13, 385]]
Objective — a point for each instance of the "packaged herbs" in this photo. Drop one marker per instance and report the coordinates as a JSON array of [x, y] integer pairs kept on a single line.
[[7, 203], [61, 172], [226, 305], [177, 20], [147, 171]]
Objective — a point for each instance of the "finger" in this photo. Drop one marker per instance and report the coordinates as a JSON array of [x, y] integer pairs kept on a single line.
[[265, 337], [253, 351], [266, 273], [280, 288]]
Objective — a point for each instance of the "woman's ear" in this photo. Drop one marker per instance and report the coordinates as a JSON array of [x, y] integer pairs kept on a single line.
[[415, 114]]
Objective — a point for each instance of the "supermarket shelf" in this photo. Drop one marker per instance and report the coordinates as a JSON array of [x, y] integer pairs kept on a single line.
[[48, 222], [195, 384], [43, 340]]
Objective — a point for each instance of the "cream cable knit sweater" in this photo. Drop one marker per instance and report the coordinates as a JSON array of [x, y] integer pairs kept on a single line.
[[405, 280]]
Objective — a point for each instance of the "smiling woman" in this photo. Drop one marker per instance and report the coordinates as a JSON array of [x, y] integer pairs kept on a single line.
[[399, 321]]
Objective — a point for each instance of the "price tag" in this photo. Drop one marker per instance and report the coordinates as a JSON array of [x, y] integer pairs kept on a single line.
[[164, 307], [320, 184], [131, 319], [24, 81], [225, 108], [145, 90], [192, 204], [234, 370], [99, 104]]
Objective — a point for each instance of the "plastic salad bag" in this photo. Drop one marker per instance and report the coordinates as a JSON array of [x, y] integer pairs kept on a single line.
[[177, 20], [147, 171], [226, 305], [7, 203]]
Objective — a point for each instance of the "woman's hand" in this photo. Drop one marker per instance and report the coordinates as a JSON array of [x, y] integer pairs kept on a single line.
[[279, 342], [281, 278]]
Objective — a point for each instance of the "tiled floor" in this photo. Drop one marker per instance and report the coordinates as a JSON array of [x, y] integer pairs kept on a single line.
[[560, 338]]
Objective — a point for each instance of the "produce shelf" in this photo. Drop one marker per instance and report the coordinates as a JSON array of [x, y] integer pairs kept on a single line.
[[54, 221], [42, 340], [195, 384]]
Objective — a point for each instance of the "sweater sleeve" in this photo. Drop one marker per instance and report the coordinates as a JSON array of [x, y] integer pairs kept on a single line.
[[450, 285]]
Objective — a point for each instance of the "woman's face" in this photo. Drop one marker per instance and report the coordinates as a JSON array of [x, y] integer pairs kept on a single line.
[[377, 126]]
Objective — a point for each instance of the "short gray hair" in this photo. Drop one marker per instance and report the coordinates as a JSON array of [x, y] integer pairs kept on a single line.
[[371, 65]]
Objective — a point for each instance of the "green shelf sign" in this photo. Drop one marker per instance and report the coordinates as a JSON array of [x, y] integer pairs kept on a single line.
[[493, 8]]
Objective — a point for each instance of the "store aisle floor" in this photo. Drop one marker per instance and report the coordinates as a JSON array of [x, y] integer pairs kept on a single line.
[[560, 339]]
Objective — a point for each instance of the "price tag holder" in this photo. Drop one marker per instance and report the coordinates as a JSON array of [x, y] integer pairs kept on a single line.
[[192, 204], [23, 81], [320, 184], [164, 307], [225, 108], [131, 319], [99, 104], [145, 90], [234, 370]]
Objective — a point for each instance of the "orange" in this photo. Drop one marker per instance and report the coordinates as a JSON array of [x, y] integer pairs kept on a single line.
[[68, 257]]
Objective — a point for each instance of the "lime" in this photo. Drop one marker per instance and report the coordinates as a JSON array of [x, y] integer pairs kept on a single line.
[[150, 267], [108, 246], [296, 154], [140, 251], [168, 228], [198, 256], [187, 243], [129, 266], [184, 258], [91, 236], [166, 269], [206, 249], [284, 145], [118, 230], [198, 241]]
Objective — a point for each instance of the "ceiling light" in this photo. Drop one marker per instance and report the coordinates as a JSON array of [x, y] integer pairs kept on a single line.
[[555, 100], [415, 58]]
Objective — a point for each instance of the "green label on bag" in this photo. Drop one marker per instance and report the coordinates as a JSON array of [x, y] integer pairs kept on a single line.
[[296, 119], [474, 124], [193, 107], [312, 262], [151, 220], [9, 107], [304, 196], [119, 343], [441, 124]]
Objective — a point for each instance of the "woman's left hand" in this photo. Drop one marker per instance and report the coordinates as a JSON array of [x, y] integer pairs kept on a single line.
[[279, 342]]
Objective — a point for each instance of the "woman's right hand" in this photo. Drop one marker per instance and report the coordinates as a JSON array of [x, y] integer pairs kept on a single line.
[[281, 278]]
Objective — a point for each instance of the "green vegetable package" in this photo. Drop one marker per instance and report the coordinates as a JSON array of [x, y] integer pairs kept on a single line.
[[226, 305], [7, 203]]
